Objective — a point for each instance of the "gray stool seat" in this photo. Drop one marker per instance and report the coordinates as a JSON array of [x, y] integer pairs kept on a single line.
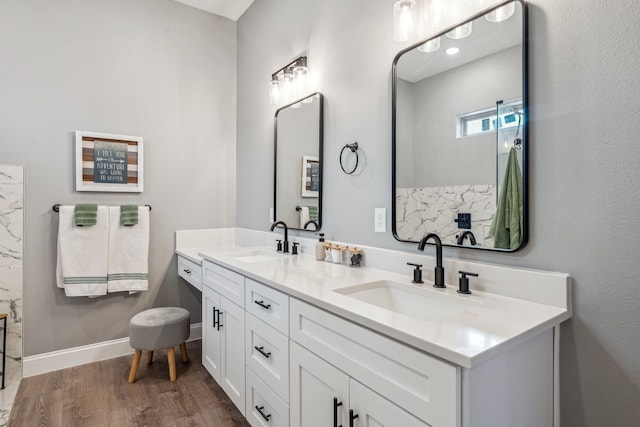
[[156, 329]]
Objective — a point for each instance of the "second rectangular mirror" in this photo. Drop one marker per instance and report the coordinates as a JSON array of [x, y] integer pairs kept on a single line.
[[298, 163], [460, 133]]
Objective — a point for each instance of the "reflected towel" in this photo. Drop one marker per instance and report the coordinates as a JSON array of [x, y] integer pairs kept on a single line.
[[304, 216], [82, 254], [128, 215], [128, 268], [313, 213], [86, 214], [506, 227]]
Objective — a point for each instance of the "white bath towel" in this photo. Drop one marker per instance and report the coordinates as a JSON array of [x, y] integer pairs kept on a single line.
[[304, 216], [128, 268], [82, 254]]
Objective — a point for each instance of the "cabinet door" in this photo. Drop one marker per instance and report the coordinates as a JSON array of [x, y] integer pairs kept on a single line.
[[211, 342], [319, 391], [369, 409], [232, 360]]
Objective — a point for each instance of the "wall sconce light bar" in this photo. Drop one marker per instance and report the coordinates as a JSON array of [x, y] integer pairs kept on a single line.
[[289, 81]]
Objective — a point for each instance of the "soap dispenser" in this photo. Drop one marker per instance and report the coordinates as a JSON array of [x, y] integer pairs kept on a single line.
[[320, 253]]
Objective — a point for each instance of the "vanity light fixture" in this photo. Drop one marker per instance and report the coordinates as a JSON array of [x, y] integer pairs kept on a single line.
[[461, 31], [404, 17], [501, 14], [289, 81], [452, 51], [430, 46]]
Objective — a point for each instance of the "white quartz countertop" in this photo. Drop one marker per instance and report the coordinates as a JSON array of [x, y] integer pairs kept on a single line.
[[484, 325]]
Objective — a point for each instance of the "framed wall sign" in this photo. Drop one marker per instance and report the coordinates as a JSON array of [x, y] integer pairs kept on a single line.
[[106, 162], [310, 176]]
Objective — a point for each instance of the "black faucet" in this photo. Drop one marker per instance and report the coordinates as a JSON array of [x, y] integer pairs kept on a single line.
[[469, 234], [311, 221], [285, 244], [438, 270]]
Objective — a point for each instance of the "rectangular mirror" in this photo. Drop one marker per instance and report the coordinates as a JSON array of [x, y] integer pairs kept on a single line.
[[459, 120], [298, 163]]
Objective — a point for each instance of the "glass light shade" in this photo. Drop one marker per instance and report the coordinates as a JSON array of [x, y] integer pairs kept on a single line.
[[274, 91], [404, 19], [434, 12], [461, 31], [501, 14], [287, 84], [430, 46]]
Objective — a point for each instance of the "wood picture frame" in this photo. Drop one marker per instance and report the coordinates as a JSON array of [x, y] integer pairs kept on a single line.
[[109, 162]]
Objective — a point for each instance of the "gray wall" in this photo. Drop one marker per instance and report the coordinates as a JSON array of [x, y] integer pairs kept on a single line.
[[151, 68], [584, 156]]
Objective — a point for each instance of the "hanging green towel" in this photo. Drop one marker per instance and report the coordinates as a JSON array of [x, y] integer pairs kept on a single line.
[[86, 214], [128, 215], [506, 227], [313, 213]]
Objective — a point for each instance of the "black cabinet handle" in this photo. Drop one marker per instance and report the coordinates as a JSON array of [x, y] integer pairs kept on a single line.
[[215, 311], [262, 352], [352, 417], [336, 404], [186, 270], [219, 322], [265, 416], [263, 305]]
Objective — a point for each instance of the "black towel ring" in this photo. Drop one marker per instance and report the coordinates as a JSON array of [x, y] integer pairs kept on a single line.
[[354, 149]]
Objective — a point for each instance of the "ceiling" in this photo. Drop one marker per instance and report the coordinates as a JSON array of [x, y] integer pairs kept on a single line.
[[232, 9]]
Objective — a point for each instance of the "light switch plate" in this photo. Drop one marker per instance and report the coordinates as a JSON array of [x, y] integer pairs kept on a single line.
[[380, 220], [271, 220]]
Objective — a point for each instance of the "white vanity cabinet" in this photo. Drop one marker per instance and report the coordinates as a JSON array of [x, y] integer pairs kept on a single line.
[[223, 331], [190, 271]]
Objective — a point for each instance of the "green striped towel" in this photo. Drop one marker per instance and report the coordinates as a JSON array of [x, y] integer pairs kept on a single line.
[[86, 214], [128, 214], [313, 213]]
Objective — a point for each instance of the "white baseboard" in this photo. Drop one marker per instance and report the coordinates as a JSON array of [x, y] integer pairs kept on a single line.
[[70, 357]]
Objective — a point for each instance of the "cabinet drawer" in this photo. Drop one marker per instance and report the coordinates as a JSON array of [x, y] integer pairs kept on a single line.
[[227, 283], [423, 385], [268, 305], [264, 408], [267, 354], [190, 271]]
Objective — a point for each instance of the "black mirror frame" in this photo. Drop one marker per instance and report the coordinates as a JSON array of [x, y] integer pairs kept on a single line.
[[525, 127], [320, 157]]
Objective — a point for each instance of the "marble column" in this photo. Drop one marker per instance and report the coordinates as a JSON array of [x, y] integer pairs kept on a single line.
[[11, 259]]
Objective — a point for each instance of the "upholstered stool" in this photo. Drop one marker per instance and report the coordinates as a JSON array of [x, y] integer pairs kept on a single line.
[[156, 329]]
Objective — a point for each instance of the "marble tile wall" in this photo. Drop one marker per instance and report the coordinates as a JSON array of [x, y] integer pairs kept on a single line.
[[11, 256], [434, 209]]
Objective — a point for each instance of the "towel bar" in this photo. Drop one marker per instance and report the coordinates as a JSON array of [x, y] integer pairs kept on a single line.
[[56, 207]]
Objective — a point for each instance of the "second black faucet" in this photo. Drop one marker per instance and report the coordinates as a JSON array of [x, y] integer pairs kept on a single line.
[[285, 244], [438, 269]]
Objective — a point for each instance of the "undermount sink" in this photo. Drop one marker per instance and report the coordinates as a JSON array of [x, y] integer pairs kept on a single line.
[[408, 300], [256, 255]]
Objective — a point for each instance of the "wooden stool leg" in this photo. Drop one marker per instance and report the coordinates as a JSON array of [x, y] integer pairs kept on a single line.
[[183, 351], [171, 356], [134, 365], [149, 357]]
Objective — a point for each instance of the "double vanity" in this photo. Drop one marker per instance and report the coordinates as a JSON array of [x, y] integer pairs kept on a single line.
[[299, 342]]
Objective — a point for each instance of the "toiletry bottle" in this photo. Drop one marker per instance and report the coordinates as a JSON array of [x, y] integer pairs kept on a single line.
[[320, 254]]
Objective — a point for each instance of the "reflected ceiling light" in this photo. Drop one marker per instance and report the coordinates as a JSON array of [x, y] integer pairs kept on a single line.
[[461, 31], [430, 45], [501, 14], [289, 81], [404, 16], [452, 50]]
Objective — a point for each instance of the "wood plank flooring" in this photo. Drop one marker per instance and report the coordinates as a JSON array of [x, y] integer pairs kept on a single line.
[[97, 394]]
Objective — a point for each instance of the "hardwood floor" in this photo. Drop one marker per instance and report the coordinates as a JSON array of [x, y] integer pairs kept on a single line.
[[97, 394]]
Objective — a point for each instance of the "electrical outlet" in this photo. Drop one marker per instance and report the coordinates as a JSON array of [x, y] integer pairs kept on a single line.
[[380, 220], [271, 219]]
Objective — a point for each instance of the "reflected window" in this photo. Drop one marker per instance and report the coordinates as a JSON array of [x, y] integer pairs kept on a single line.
[[486, 120]]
